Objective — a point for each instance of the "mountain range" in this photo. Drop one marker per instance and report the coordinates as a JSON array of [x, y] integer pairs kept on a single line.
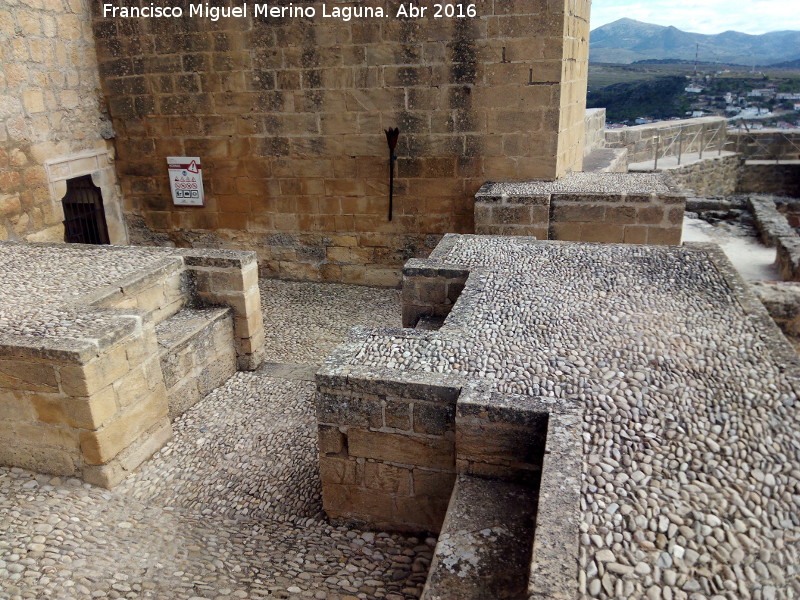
[[627, 40]]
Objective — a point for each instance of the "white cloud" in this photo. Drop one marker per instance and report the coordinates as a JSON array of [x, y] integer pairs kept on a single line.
[[708, 16]]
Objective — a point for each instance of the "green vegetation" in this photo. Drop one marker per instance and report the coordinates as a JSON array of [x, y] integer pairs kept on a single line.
[[659, 98], [737, 77]]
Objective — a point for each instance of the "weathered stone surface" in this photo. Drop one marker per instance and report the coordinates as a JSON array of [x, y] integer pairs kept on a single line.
[[589, 508], [402, 449], [484, 546]]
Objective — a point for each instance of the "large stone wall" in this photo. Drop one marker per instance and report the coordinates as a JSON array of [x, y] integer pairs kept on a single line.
[[52, 122], [288, 115], [574, 79], [86, 389]]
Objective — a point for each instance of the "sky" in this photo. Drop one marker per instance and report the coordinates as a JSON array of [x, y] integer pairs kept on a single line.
[[703, 16]]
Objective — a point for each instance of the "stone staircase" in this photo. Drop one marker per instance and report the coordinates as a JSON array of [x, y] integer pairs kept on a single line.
[[484, 548], [123, 340], [197, 354]]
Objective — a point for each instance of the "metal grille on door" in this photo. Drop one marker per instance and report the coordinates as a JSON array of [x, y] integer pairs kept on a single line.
[[84, 216]]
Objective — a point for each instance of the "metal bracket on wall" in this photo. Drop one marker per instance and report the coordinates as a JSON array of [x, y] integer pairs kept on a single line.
[[392, 135]]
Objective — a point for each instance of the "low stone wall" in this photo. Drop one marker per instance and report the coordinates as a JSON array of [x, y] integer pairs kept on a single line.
[[624, 218], [387, 445], [770, 223], [230, 278], [642, 140], [712, 176], [774, 231], [197, 355], [769, 177], [782, 301], [594, 135], [94, 409], [632, 208], [788, 258], [717, 204], [431, 293]]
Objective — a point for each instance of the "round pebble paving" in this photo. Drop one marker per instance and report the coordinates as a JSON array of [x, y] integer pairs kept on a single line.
[[691, 479], [37, 281], [230, 508]]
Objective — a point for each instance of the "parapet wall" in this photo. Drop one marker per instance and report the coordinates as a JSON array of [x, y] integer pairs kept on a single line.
[[713, 176], [669, 137], [765, 144]]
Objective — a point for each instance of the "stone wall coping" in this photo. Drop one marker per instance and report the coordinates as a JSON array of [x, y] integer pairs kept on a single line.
[[217, 258], [122, 323], [478, 399], [579, 182]]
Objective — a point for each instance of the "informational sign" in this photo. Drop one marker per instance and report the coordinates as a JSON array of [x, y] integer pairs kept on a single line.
[[186, 180]]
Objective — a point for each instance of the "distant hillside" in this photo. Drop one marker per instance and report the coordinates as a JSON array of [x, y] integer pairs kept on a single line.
[[627, 41], [659, 98], [789, 64]]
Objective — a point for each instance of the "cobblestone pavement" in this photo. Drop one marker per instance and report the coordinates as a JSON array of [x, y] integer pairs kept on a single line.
[[691, 480], [231, 507], [319, 316]]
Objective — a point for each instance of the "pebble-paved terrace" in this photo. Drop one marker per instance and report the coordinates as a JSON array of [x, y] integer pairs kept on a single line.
[[231, 507], [691, 483], [39, 282]]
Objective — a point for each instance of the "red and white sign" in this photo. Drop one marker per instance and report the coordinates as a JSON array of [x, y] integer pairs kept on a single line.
[[186, 180]]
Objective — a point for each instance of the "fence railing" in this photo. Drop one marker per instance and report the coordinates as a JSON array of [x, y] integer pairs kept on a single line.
[[773, 144], [679, 140]]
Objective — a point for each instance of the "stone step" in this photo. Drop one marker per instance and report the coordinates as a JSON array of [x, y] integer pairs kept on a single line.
[[197, 353], [430, 323], [485, 546], [606, 160]]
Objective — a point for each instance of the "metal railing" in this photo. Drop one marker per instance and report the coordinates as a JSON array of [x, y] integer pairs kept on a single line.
[[677, 140], [759, 144]]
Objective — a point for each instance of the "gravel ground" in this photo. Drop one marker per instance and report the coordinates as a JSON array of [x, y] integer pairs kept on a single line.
[[595, 183], [231, 507], [691, 486]]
